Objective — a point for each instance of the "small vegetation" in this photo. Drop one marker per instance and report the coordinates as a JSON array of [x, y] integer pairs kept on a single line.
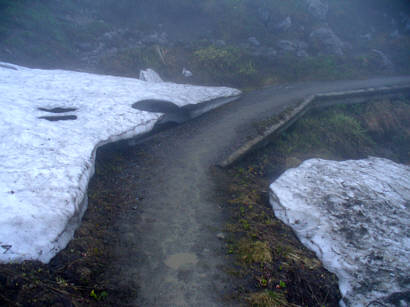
[[227, 63], [254, 252], [268, 298], [275, 268], [64, 34], [335, 130]]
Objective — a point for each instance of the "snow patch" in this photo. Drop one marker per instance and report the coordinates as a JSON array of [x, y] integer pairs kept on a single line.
[[355, 216], [150, 75], [51, 124]]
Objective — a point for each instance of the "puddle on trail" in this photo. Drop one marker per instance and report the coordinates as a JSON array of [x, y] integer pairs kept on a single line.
[[177, 261]]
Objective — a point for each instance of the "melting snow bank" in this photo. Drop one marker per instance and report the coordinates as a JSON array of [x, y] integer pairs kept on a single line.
[[51, 124], [355, 216]]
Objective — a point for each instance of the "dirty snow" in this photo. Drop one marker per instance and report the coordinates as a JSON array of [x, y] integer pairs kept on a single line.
[[46, 163], [355, 216]]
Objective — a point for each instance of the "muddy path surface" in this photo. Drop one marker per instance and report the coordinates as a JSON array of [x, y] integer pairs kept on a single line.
[[169, 243]]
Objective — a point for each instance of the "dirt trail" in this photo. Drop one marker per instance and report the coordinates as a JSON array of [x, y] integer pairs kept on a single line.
[[169, 245]]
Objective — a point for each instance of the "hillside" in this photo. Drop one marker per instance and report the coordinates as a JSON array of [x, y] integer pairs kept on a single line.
[[243, 43]]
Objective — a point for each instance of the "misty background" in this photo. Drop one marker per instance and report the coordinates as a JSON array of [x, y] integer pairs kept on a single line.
[[234, 42], [245, 44]]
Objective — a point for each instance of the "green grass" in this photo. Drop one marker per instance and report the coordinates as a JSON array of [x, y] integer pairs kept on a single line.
[[333, 131], [275, 268]]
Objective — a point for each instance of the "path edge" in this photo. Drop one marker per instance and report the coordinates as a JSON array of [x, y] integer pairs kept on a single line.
[[318, 100]]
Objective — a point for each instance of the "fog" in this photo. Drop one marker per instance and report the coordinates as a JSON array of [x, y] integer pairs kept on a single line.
[[204, 152], [241, 43]]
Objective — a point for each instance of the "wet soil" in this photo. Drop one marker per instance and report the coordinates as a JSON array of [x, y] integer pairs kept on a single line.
[[155, 232]]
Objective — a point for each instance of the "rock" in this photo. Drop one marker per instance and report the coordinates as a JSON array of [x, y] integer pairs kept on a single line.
[[150, 75], [263, 52], [318, 8], [302, 54], [220, 43], [253, 41], [156, 38], [287, 46], [297, 47], [355, 216], [395, 34], [285, 24], [110, 35], [301, 45], [367, 36], [326, 41], [220, 236], [186, 73], [385, 60]]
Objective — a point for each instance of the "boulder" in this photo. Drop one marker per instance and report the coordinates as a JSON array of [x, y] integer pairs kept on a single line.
[[285, 24], [367, 36], [302, 53], [286, 46], [296, 47], [253, 41], [326, 41], [318, 8], [155, 38], [355, 215]]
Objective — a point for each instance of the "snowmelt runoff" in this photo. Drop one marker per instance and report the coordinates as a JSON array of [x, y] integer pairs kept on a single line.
[[51, 124]]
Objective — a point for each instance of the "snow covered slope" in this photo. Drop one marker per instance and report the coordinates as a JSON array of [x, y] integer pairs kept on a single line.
[[51, 123], [355, 215]]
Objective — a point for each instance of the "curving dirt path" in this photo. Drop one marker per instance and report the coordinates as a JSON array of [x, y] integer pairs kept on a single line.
[[169, 245]]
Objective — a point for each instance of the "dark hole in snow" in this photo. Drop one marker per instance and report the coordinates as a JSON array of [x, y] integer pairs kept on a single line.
[[159, 106], [173, 114], [57, 118], [58, 110], [6, 248]]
